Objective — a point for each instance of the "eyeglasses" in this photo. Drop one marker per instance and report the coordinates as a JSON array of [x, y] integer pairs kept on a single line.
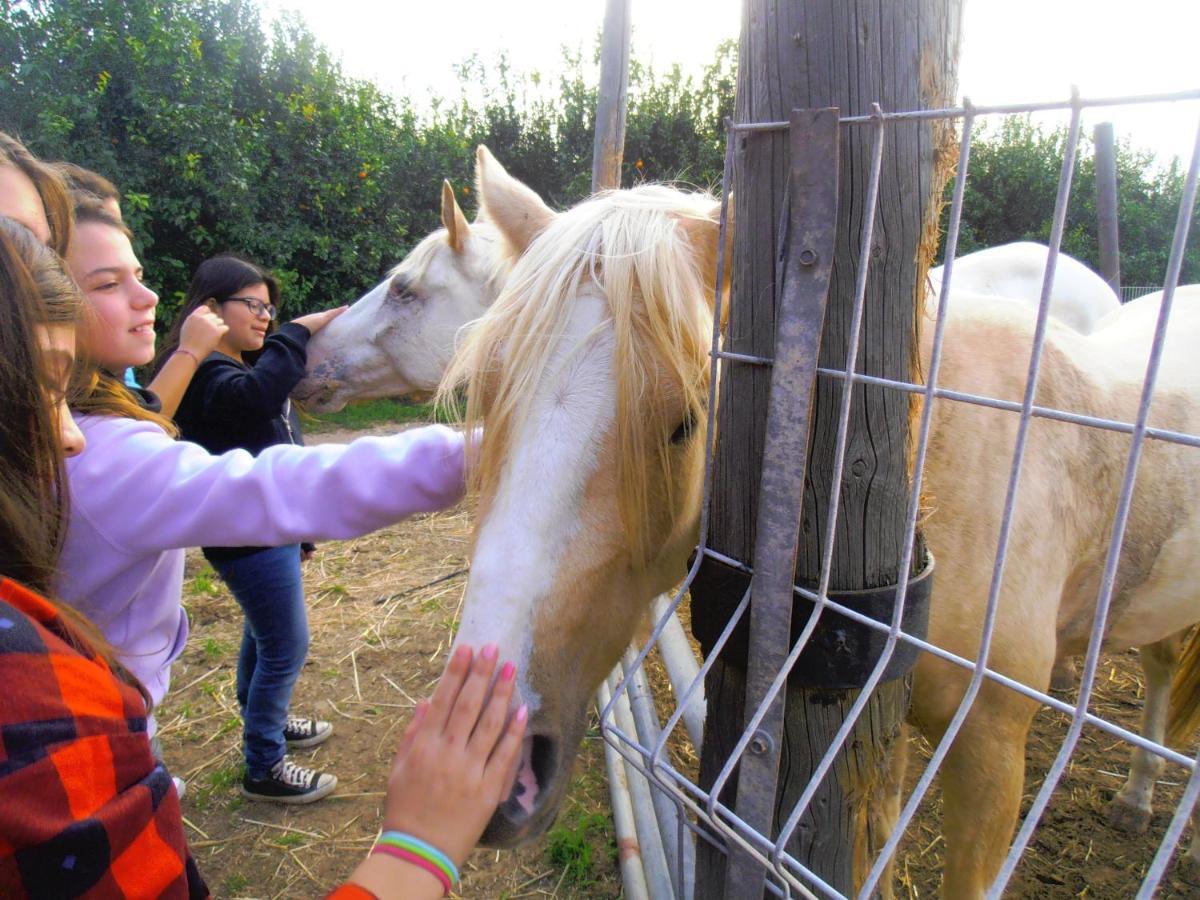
[[256, 306]]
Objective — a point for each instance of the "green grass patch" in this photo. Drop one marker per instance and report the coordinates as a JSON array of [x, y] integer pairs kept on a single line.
[[571, 845], [370, 413], [205, 582], [214, 649]]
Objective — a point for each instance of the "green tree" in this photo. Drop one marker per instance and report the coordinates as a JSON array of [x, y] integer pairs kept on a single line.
[[1012, 186]]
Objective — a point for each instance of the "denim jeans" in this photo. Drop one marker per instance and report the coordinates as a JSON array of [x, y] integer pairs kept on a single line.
[[268, 587]]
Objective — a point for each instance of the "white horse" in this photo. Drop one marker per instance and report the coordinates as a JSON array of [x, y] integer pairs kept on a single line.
[[398, 338], [1079, 297]]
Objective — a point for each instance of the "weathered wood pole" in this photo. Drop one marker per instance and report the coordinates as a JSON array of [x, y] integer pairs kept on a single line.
[[609, 147], [1106, 206], [847, 54]]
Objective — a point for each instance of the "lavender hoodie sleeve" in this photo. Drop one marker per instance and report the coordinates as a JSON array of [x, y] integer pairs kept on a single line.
[[147, 493]]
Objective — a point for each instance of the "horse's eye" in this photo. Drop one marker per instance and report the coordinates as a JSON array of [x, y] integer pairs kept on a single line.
[[683, 433], [400, 291]]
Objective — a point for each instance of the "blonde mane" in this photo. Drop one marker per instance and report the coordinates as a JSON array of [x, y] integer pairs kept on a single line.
[[631, 247]]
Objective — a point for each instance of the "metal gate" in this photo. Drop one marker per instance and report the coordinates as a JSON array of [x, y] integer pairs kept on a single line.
[[665, 806]]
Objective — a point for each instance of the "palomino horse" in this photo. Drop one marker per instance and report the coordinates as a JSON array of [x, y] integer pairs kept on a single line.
[[588, 374], [1078, 297], [1062, 520], [398, 338]]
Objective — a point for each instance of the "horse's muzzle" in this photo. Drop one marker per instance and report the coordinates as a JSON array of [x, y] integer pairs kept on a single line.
[[536, 795]]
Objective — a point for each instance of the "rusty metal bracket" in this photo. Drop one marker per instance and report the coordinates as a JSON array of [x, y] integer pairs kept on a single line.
[[808, 264]]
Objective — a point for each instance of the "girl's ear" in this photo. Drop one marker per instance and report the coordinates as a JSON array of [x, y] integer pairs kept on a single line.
[[212, 304]]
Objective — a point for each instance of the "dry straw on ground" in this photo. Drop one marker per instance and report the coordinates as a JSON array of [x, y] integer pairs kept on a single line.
[[383, 610]]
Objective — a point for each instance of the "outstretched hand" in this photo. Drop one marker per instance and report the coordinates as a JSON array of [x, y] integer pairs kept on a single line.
[[458, 757], [314, 322]]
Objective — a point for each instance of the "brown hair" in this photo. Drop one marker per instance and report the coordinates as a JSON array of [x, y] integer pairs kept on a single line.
[[96, 392], [35, 290], [50, 187], [86, 182]]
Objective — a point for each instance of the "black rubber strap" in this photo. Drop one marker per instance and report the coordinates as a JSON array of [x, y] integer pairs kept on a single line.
[[841, 652]]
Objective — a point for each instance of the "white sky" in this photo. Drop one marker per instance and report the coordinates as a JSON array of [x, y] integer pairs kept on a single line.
[[1014, 51]]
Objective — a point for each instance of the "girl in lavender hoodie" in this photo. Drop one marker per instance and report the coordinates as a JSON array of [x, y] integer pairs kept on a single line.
[[138, 497]]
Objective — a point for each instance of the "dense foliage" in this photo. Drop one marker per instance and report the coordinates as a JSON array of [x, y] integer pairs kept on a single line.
[[225, 137], [1013, 182]]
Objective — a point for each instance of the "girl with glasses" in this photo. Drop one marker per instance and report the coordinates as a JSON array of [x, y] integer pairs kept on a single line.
[[238, 399]]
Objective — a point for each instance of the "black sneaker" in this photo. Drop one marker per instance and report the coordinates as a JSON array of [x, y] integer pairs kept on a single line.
[[301, 733], [289, 783]]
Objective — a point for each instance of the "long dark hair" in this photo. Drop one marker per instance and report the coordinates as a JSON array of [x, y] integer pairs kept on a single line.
[[218, 278], [50, 187], [35, 290]]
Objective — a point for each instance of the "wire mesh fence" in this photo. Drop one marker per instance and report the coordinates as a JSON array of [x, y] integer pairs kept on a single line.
[[651, 749]]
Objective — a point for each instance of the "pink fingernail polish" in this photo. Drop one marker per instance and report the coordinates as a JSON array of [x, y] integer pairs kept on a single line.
[[522, 713], [489, 652], [507, 673], [463, 653]]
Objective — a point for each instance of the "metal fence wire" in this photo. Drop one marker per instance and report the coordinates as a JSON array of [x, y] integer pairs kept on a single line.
[[630, 725]]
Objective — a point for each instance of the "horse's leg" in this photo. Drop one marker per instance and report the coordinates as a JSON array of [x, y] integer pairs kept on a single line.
[[983, 774], [1130, 810], [982, 780], [1064, 677], [885, 815]]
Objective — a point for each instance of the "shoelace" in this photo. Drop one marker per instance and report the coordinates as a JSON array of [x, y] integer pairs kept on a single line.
[[304, 727], [293, 775]]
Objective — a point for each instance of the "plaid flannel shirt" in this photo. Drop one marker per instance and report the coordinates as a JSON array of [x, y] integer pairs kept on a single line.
[[85, 809]]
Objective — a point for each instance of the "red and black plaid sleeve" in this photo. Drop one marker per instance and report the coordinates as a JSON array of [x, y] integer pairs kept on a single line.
[[85, 809]]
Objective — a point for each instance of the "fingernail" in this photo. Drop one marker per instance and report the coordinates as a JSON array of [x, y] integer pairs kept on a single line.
[[463, 654], [489, 652], [507, 673], [522, 713]]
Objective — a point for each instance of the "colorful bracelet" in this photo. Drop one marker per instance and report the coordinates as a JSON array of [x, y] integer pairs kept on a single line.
[[418, 852], [421, 862]]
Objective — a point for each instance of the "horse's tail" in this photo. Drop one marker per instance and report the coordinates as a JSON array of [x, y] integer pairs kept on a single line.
[[1184, 716]]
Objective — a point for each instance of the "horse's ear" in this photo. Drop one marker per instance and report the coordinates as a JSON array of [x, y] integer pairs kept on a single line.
[[453, 219], [516, 211], [704, 234]]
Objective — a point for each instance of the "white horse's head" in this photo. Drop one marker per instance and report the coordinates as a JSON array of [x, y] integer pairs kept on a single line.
[[398, 338], [590, 377]]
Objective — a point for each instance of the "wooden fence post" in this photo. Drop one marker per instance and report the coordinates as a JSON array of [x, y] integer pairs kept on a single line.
[[806, 54], [609, 147], [1106, 206]]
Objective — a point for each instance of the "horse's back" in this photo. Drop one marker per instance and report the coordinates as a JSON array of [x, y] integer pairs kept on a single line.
[[1079, 297]]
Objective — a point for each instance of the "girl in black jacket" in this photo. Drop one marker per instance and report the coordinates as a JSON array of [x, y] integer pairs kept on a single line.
[[238, 398]]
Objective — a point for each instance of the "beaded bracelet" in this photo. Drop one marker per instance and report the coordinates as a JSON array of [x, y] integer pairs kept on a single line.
[[414, 850]]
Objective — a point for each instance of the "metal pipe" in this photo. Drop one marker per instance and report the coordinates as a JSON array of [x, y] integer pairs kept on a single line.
[[683, 669], [677, 843], [654, 858], [629, 852]]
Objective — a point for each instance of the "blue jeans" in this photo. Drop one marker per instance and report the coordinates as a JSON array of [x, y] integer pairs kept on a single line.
[[268, 587]]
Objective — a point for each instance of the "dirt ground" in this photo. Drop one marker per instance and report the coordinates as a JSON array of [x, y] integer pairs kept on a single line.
[[383, 610]]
